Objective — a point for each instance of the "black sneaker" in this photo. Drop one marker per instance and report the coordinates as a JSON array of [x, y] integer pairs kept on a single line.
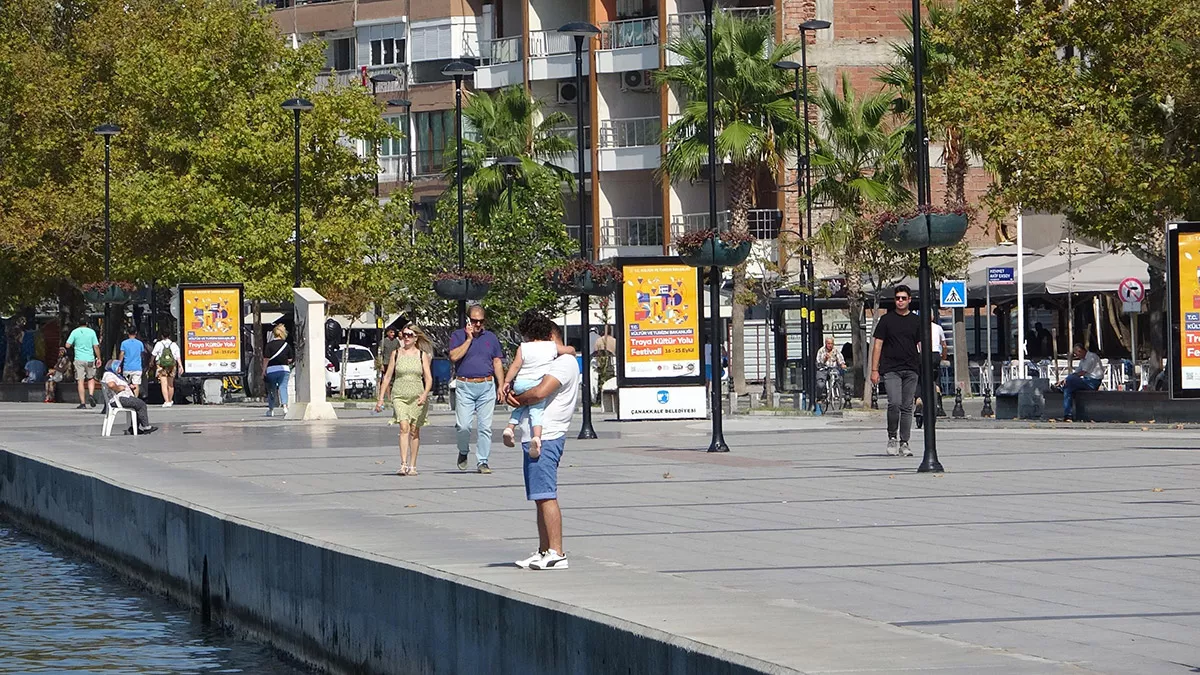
[[81, 406], [92, 400], [462, 462], [147, 430]]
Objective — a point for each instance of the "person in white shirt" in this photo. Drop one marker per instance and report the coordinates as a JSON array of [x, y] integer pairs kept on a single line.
[[938, 340], [119, 388], [530, 363], [166, 361], [1087, 378], [829, 357], [559, 389]]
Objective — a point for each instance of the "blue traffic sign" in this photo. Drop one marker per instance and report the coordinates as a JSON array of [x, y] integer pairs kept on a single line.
[[954, 294], [998, 276]]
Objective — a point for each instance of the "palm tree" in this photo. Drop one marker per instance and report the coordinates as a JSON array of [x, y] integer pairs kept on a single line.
[[938, 63], [501, 124], [860, 165], [755, 125]]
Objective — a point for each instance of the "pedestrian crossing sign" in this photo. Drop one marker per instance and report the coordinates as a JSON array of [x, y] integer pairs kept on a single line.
[[954, 294]]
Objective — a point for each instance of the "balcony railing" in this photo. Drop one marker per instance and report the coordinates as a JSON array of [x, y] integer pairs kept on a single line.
[[342, 78], [569, 132], [762, 223], [632, 231], [548, 42], [629, 33], [630, 132], [502, 50], [692, 23]]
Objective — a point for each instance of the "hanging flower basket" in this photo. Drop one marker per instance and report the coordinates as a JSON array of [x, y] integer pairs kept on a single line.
[[462, 285], [909, 231], [583, 277], [115, 292], [705, 248]]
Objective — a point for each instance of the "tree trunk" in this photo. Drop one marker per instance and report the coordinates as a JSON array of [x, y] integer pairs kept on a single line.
[[857, 346], [256, 387], [956, 168], [346, 357], [741, 193], [14, 331], [1156, 344]]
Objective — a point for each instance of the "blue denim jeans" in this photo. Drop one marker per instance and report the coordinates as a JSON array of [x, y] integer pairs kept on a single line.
[[533, 410], [1073, 384], [277, 385], [478, 400]]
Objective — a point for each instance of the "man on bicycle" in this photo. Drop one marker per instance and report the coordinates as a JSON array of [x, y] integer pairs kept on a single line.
[[829, 357], [830, 363]]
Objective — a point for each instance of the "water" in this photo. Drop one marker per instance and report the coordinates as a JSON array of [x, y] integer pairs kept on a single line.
[[59, 613]]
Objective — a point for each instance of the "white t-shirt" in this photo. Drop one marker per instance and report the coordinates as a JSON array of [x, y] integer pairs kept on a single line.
[[1092, 366], [113, 378], [560, 406], [162, 345], [937, 335], [536, 358]]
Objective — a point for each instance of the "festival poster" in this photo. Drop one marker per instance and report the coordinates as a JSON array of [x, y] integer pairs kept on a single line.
[[212, 329], [1188, 261], [661, 315]]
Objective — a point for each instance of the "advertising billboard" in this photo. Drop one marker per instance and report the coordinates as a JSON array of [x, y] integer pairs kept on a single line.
[[660, 309], [211, 329], [1183, 267]]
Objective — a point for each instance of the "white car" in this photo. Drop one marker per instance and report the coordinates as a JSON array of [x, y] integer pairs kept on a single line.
[[360, 373]]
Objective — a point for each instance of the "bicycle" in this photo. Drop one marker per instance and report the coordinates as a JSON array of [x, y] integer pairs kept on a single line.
[[833, 396]]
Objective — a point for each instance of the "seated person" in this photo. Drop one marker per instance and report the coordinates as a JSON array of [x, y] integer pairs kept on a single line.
[[59, 373], [829, 357], [1087, 377], [119, 388], [35, 371]]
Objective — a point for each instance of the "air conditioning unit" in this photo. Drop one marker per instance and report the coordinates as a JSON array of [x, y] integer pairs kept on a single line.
[[567, 92], [637, 80]]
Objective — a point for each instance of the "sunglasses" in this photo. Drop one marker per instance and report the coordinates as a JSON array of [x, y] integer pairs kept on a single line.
[[902, 297], [477, 322], [409, 335]]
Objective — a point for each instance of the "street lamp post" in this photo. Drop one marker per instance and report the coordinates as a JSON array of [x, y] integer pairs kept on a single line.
[[717, 444], [812, 25], [297, 106], [929, 462], [107, 130], [510, 165], [801, 163], [458, 70], [376, 79], [407, 105], [582, 31]]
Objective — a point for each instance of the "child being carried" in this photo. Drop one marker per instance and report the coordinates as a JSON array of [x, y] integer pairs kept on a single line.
[[531, 362]]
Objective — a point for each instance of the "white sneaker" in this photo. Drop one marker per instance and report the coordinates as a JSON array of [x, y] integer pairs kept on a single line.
[[168, 404], [551, 561], [285, 411], [905, 450], [893, 447], [524, 564]]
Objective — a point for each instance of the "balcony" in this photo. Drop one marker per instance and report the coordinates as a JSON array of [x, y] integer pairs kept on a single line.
[[356, 77], [570, 161], [763, 223], [631, 236], [500, 64], [630, 144], [692, 23], [630, 44], [311, 16], [552, 56]]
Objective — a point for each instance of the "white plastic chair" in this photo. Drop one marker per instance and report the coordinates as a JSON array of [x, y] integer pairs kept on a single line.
[[112, 407]]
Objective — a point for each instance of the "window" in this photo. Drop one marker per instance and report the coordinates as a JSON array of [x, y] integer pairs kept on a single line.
[[394, 147], [381, 45], [431, 43], [387, 51], [339, 54], [433, 132]]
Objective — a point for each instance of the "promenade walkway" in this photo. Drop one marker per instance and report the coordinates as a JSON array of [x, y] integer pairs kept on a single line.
[[805, 549]]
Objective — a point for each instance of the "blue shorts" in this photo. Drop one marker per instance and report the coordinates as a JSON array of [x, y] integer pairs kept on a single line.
[[541, 474]]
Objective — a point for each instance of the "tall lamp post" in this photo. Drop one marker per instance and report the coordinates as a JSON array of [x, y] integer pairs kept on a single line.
[[929, 461], [376, 79], [582, 31], [510, 165], [297, 106], [107, 130], [458, 70], [717, 444], [407, 105]]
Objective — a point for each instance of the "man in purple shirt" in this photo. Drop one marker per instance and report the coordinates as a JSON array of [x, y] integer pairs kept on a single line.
[[479, 374]]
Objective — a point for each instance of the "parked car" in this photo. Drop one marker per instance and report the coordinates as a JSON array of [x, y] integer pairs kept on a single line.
[[360, 373]]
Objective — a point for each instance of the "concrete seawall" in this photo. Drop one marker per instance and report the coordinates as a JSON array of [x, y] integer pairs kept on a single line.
[[341, 610]]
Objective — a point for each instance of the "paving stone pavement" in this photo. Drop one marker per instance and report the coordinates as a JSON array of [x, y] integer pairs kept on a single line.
[[1041, 550]]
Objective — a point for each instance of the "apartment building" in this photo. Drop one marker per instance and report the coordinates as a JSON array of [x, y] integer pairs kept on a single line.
[[515, 42]]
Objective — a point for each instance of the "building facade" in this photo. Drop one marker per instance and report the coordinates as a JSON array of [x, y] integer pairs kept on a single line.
[[515, 42]]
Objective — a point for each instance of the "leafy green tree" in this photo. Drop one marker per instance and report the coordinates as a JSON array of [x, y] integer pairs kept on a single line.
[[506, 123], [756, 126]]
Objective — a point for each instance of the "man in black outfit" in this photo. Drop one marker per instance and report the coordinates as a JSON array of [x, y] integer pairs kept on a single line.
[[894, 357]]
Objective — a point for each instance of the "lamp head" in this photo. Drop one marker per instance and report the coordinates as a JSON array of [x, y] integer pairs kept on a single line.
[[815, 24], [787, 65], [399, 103], [579, 29], [458, 69], [380, 78], [508, 160], [298, 105], [107, 129]]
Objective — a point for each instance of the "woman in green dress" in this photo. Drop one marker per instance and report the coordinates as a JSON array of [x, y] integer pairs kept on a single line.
[[408, 376]]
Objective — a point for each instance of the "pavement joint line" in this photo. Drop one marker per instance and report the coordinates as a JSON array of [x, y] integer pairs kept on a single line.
[[934, 563]]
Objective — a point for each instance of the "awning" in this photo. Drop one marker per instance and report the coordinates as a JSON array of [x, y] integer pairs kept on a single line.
[[1040, 268], [1100, 274]]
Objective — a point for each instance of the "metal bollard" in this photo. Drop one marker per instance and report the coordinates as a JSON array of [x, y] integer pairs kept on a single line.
[[958, 407], [987, 404], [874, 397]]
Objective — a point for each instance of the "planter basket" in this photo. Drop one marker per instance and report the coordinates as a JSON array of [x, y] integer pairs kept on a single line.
[[114, 294], [945, 229], [724, 256], [581, 284], [460, 289]]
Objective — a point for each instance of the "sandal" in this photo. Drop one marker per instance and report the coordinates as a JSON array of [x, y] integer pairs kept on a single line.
[[412, 471], [404, 469]]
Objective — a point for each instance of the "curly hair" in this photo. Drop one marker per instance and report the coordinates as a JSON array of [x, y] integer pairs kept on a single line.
[[534, 325]]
